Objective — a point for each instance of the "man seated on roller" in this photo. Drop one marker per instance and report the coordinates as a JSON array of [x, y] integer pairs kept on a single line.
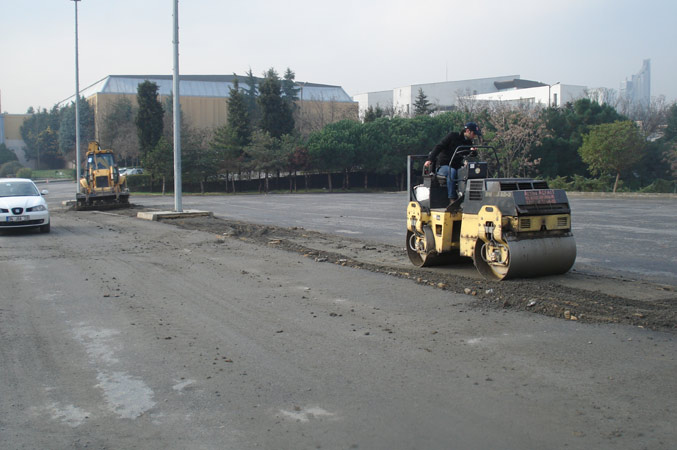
[[443, 152]]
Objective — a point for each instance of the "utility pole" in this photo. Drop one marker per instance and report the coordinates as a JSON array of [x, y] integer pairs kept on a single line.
[[177, 115], [77, 106]]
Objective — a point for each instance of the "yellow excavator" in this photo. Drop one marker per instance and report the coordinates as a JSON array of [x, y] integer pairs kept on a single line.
[[509, 227], [101, 185]]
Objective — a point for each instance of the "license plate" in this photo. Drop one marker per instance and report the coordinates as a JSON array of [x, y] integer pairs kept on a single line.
[[18, 218]]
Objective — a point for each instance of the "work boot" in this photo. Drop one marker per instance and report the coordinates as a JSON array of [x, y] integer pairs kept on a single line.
[[454, 204]]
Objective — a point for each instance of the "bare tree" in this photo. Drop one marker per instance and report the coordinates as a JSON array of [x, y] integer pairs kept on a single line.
[[670, 156], [116, 129], [315, 114], [467, 103], [603, 96], [519, 129], [652, 116], [389, 111]]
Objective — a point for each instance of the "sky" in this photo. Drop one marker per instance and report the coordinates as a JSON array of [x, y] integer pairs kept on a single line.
[[361, 45]]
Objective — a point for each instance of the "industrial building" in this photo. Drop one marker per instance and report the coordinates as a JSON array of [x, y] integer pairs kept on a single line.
[[445, 95], [10, 134], [554, 95], [204, 103], [204, 98]]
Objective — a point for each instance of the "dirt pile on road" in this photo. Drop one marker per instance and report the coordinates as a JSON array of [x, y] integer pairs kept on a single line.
[[543, 296], [575, 296]]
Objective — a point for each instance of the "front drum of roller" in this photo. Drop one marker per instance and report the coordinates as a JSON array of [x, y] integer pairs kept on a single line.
[[530, 258]]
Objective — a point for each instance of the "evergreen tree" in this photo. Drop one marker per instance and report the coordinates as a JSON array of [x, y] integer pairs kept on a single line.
[[224, 143], [48, 155], [290, 93], [276, 114], [374, 143], [6, 154], [67, 128], [265, 155], [373, 113], [149, 118], [238, 115], [159, 161], [422, 106], [333, 149], [294, 157], [250, 96], [200, 162], [559, 152], [229, 141], [36, 124]]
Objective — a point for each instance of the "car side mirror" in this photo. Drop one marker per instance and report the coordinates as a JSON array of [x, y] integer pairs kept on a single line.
[[44, 192]]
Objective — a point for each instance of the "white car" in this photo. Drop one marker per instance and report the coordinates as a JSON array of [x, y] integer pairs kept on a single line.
[[22, 205]]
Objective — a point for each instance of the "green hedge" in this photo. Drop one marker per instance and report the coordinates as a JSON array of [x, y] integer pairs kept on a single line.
[[68, 174], [24, 172], [582, 184], [142, 183], [661, 186], [10, 169]]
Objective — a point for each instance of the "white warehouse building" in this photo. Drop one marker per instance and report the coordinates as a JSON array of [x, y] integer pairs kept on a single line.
[[554, 95], [445, 95]]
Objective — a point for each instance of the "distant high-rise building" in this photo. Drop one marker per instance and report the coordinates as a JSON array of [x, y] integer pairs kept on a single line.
[[637, 90]]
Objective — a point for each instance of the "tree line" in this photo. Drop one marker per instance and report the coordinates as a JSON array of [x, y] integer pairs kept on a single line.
[[582, 145]]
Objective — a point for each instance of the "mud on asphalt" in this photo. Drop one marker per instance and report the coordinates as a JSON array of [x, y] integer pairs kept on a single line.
[[575, 296]]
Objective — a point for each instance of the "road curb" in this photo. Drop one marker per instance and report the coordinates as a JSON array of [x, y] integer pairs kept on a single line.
[[159, 215]]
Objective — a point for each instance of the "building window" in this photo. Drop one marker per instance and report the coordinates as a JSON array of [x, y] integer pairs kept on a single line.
[[554, 98]]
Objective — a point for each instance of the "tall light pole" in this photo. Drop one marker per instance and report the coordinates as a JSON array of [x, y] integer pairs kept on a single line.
[[177, 115], [77, 106]]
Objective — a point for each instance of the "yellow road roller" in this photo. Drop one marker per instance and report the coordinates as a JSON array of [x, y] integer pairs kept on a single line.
[[509, 227]]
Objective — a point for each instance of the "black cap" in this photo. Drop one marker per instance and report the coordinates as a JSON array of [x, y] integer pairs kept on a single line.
[[472, 126]]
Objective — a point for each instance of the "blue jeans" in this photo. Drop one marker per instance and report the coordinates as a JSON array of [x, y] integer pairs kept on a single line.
[[451, 175]]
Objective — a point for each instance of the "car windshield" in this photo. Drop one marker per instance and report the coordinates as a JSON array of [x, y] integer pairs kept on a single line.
[[17, 189]]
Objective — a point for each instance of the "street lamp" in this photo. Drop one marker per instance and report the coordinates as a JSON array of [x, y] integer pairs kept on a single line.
[[77, 106], [178, 207]]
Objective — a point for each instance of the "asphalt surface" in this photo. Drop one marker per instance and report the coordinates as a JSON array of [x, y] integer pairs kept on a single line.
[[625, 236], [122, 333]]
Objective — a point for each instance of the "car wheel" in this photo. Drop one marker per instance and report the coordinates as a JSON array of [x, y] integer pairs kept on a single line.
[[45, 228]]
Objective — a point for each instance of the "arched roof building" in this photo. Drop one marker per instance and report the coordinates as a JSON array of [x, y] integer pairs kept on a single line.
[[204, 98]]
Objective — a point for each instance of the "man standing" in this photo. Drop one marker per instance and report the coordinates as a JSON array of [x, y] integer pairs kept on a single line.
[[444, 150]]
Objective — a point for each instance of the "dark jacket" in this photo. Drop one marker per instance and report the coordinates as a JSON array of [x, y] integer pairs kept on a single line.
[[443, 151]]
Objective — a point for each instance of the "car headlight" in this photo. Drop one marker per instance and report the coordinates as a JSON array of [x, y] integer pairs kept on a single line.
[[37, 208]]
